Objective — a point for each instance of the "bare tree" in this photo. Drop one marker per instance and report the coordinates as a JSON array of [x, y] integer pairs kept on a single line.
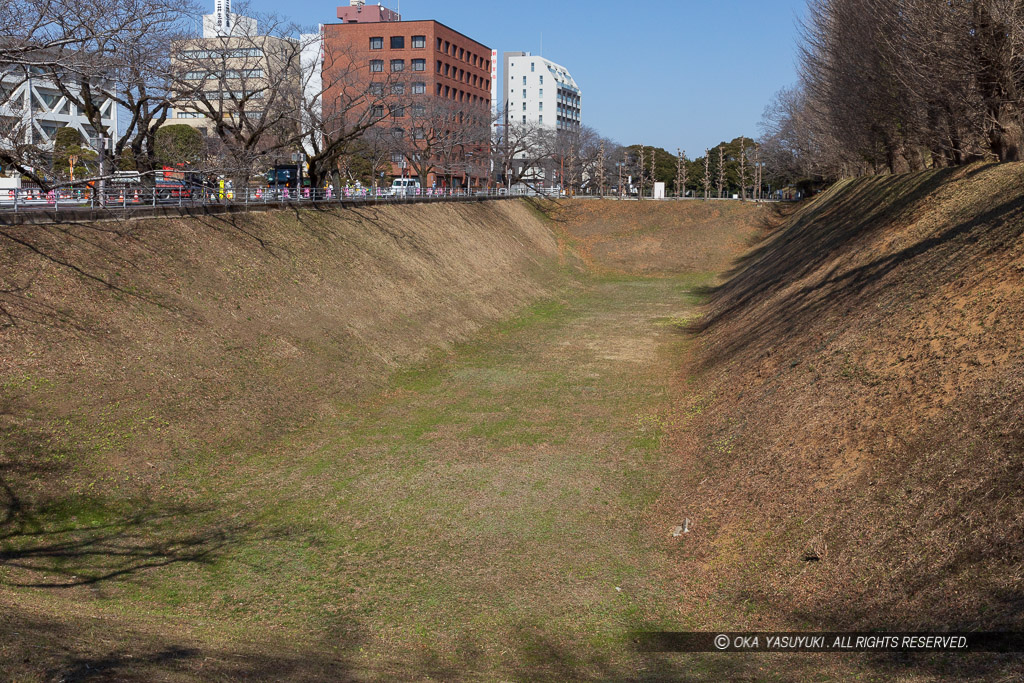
[[679, 170], [248, 86], [897, 85], [522, 151], [743, 169], [707, 173], [340, 105], [653, 170], [642, 175], [98, 56], [757, 172], [720, 186], [622, 167]]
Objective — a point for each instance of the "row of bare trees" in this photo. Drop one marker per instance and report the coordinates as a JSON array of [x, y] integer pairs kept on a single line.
[[896, 85], [260, 96], [258, 99]]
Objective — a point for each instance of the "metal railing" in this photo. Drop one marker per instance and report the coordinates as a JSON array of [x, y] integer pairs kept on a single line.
[[127, 198]]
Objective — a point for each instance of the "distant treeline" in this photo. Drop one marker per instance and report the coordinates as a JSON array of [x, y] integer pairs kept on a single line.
[[900, 85]]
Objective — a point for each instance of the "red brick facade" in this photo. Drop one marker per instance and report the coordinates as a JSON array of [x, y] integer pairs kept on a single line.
[[431, 57]]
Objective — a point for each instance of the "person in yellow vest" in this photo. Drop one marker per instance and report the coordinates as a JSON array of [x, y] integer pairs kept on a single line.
[[220, 187]]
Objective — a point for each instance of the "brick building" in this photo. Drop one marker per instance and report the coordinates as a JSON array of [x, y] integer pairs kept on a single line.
[[416, 67]]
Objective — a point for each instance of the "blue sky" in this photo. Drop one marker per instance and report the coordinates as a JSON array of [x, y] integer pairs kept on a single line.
[[671, 73]]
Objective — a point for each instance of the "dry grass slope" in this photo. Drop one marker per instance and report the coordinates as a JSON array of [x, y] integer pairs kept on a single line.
[[851, 442], [656, 238], [128, 347]]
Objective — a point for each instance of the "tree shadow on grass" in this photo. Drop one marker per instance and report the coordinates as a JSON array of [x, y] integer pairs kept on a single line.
[[51, 538], [823, 233]]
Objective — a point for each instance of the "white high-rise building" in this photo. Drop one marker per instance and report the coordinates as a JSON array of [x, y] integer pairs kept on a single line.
[[538, 90]]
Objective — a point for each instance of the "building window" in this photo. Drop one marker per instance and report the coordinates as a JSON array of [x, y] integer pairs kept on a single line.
[[524, 118], [398, 133], [377, 89], [439, 66], [418, 134], [461, 53], [397, 111], [419, 65], [524, 106], [234, 53], [397, 65], [524, 93], [524, 80], [419, 110], [542, 92], [540, 106], [532, 67], [397, 42], [419, 88], [397, 157], [447, 70], [376, 65], [542, 80], [377, 111], [438, 44], [419, 42], [398, 88], [540, 119], [447, 46], [377, 43]]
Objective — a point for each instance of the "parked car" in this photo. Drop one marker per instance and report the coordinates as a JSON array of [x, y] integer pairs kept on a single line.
[[404, 187]]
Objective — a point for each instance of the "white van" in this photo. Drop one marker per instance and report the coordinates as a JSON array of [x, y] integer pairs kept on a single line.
[[404, 187]]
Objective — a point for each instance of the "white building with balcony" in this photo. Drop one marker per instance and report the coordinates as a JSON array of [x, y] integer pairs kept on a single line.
[[538, 90]]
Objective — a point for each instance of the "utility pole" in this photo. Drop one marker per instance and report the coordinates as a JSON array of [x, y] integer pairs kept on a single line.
[[600, 172]]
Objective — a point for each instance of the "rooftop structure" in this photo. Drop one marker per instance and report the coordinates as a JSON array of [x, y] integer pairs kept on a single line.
[[358, 12]]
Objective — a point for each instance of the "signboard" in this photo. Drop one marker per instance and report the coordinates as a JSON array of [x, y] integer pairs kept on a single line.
[[494, 84], [222, 16]]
